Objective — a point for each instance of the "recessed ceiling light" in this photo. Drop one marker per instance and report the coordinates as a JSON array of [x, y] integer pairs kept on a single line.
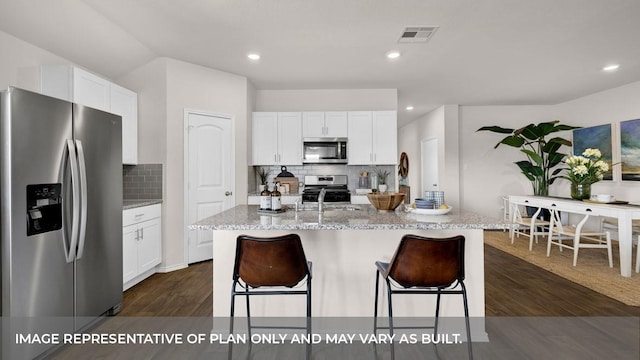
[[612, 67], [253, 56], [393, 54], [409, 108]]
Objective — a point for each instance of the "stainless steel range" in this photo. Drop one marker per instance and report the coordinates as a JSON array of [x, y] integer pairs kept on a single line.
[[334, 185]]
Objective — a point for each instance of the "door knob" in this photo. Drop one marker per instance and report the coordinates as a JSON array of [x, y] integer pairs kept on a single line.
[[228, 193]]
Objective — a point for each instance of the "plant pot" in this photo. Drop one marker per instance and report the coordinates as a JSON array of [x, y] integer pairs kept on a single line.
[[580, 191], [544, 214], [261, 188], [382, 187]]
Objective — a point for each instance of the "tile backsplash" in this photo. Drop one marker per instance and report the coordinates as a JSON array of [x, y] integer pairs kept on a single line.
[[142, 182], [299, 171]]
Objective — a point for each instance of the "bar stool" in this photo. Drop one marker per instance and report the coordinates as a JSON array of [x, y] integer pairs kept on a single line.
[[270, 266], [423, 265]]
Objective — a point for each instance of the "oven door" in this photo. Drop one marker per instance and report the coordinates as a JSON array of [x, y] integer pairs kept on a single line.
[[325, 151]]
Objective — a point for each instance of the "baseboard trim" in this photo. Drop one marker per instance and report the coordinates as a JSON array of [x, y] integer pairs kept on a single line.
[[166, 269]]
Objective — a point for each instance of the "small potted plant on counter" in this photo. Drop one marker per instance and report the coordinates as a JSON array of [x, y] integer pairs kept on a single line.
[[382, 179], [263, 174]]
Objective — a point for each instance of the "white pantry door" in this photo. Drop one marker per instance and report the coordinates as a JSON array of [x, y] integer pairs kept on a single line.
[[210, 179], [429, 158]]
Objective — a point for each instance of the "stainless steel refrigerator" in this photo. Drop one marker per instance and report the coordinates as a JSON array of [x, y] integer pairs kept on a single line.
[[61, 210]]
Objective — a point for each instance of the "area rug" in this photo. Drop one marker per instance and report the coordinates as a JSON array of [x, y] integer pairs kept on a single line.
[[592, 270]]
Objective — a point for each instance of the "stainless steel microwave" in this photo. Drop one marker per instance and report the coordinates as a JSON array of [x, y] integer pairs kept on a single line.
[[324, 151]]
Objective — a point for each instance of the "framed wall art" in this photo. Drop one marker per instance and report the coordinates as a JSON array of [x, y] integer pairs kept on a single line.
[[630, 149], [595, 137]]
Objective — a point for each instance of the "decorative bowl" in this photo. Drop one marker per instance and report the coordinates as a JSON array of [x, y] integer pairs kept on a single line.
[[387, 201]]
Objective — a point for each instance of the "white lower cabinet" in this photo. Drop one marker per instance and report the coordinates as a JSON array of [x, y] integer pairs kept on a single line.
[[141, 243]]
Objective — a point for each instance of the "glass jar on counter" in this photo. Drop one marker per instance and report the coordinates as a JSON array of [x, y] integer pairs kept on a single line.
[[374, 181]]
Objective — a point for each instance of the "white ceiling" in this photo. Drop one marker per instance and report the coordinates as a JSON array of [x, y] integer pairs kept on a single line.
[[488, 52]]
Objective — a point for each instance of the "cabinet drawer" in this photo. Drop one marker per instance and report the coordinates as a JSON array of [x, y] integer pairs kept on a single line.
[[144, 213]]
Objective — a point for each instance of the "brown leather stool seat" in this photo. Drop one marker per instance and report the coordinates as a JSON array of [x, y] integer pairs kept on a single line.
[[423, 265], [270, 266]]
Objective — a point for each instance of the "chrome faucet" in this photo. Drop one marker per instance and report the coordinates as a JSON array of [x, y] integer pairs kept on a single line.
[[323, 192]]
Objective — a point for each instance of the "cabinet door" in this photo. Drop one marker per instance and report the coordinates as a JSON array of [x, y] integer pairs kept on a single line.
[[124, 102], [91, 90], [313, 124], [385, 138], [264, 138], [129, 252], [336, 124], [290, 138], [360, 141], [149, 245]]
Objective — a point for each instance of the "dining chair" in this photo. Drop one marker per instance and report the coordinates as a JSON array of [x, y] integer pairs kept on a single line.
[[580, 237], [531, 227]]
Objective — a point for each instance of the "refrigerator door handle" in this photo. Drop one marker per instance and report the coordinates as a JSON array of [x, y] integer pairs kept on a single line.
[[75, 217], [83, 199]]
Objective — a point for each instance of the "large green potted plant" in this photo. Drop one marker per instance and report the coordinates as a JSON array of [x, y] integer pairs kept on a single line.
[[543, 156]]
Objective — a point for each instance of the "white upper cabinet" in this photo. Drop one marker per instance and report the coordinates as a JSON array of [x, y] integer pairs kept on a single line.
[[373, 137], [385, 137], [82, 87], [91, 90], [336, 124], [290, 138], [124, 102], [313, 124], [277, 138], [324, 124], [360, 143]]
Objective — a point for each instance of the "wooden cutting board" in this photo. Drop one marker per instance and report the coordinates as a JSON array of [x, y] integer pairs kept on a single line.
[[292, 181]]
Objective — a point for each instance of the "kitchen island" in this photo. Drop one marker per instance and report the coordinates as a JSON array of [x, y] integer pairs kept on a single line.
[[343, 244]]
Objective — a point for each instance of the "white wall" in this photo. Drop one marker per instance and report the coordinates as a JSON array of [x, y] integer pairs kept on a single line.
[[607, 107], [165, 88], [440, 124], [196, 87], [20, 61], [150, 82], [487, 174], [326, 100]]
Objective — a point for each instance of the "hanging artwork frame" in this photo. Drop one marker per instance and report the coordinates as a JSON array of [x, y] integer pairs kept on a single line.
[[630, 149], [595, 137]]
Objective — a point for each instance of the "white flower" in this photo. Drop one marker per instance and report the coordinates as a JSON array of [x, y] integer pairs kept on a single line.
[[575, 160], [602, 166], [588, 168], [580, 170], [592, 153]]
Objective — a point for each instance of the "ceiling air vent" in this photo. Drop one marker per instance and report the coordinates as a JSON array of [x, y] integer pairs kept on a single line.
[[417, 34]]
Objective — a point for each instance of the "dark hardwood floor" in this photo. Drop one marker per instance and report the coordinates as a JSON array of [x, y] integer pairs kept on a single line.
[[513, 288], [186, 292], [531, 314]]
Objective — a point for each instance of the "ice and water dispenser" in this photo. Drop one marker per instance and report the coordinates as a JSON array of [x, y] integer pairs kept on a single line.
[[44, 208]]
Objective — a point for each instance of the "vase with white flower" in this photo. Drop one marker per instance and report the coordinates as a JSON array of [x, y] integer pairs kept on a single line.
[[585, 170]]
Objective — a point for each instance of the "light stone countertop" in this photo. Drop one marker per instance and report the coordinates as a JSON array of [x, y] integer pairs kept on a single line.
[[247, 217], [132, 204]]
